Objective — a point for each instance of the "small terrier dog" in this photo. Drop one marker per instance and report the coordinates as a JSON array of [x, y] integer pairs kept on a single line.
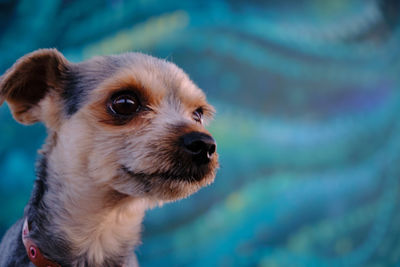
[[125, 134]]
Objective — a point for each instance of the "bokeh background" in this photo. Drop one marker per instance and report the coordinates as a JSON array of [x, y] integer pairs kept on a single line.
[[308, 129]]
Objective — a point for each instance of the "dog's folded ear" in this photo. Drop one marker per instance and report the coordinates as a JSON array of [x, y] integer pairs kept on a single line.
[[30, 81]]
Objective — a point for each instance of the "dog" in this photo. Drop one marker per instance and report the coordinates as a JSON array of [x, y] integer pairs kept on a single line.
[[126, 133]]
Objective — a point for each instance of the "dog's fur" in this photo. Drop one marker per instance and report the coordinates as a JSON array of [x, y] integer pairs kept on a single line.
[[97, 173]]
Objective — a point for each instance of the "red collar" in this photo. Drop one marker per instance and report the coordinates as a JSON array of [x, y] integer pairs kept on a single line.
[[34, 254]]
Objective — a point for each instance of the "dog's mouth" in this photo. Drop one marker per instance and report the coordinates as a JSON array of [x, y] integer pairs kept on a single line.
[[177, 182], [188, 176]]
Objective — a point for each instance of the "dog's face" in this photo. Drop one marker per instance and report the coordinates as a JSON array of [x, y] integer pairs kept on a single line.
[[131, 122]]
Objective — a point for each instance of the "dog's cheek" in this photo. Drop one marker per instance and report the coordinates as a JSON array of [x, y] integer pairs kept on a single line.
[[104, 162], [74, 144], [129, 186]]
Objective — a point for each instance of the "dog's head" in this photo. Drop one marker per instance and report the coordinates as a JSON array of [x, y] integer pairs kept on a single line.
[[130, 122]]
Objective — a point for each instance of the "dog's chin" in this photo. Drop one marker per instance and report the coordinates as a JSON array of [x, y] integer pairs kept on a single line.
[[164, 186]]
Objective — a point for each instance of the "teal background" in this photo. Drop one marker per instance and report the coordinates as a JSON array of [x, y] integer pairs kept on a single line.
[[308, 130]]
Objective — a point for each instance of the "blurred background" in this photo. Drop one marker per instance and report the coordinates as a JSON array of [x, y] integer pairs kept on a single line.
[[308, 103]]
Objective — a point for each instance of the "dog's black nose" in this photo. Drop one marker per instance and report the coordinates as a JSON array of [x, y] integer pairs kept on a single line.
[[200, 145]]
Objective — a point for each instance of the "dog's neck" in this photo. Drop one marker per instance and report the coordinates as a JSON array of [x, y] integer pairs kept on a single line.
[[78, 223]]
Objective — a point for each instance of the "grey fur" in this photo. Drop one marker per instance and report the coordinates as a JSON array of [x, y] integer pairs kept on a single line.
[[13, 250]]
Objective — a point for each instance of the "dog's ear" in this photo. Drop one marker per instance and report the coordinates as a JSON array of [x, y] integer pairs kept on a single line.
[[34, 78]]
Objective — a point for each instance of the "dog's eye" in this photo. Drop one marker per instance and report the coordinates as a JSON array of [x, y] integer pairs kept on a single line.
[[198, 115], [124, 104]]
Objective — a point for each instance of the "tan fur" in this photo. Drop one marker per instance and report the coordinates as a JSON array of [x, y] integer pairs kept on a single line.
[[98, 207]]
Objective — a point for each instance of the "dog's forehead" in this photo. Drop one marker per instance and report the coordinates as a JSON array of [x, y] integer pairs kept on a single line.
[[159, 79]]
